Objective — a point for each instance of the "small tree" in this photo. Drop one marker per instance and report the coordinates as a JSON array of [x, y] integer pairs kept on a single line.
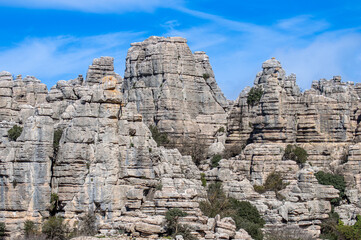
[[56, 140], [160, 138], [215, 160], [174, 228], [233, 150], [203, 180], [206, 76], [54, 204], [2, 230], [196, 148], [337, 181], [274, 182], [172, 216], [29, 228], [14, 132], [254, 96], [87, 226], [295, 153], [54, 228], [243, 213]]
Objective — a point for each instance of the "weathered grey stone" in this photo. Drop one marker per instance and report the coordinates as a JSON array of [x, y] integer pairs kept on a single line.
[[174, 89], [107, 161]]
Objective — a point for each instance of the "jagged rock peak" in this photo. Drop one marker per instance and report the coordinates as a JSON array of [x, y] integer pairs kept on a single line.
[[271, 63], [174, 88], [272, 73], [101, 67]]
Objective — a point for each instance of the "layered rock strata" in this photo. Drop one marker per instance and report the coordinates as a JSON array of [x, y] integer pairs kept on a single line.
[[107, 161], [174, 89]]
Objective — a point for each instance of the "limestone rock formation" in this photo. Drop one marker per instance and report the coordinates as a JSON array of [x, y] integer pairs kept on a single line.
[[174, 89], [88, 143]]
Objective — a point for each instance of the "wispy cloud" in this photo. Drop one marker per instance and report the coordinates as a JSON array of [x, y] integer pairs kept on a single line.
[[329, 54], [199, 38], [52, 59], [304, 45], [95, 6]]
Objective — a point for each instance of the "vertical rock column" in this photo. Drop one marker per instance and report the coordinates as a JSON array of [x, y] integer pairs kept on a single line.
[[173, 88]]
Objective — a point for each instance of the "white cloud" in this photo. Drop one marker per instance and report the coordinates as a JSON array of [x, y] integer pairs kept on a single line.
[[304, 45], [330, 54], [302, 25], [52, 59], [96, 6], [199, 38]]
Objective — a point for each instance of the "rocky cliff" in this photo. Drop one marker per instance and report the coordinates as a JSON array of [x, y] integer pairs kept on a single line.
[[174, 88], [107, 162]]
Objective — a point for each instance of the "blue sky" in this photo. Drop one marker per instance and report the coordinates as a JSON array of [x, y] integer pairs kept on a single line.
[[57, 40]]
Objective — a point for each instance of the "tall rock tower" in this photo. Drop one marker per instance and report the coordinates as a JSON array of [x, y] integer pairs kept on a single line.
[[174, 89]]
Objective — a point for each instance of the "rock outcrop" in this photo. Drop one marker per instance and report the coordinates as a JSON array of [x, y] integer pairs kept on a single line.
[[174, 89], [107, 162]]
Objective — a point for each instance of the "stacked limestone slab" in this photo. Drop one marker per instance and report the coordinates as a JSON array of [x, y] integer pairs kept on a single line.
[[107, 161], [323, 120], [24, 165], [174, 88]]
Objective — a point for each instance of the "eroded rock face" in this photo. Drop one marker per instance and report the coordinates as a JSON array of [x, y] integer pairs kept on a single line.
[[174, 88], [323, 120], [107, 161], [18, 97]]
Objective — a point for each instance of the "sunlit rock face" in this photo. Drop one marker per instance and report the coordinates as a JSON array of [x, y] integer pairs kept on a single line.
[[174, 88], [107, 162]]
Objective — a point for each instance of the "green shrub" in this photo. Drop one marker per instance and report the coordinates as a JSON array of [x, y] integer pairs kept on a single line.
[[350, 232], [274, 182], [159, 187], [217, 202], [337, 181], [259, 188], [334, 229], [254, 96], [251, 228], [221, 130], [206, 76], [203, 179], [54, 228], [243, 213], [329, 227], [196, 148], [2, 230], [160, 138], [56, 141], [54, 204], [14, 132], [174, 228], [29, 228], [57, 136], [172, 216], [246, 211], [233, 150], [295, 153], [215, 160], [88, 226]]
